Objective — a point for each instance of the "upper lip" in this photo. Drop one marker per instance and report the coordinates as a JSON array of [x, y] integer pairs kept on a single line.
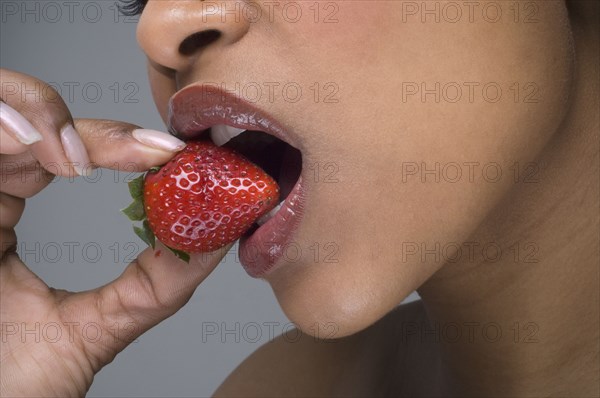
[[198, 107]]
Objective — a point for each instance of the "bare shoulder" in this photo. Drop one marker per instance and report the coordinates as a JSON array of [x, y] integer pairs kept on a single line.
[[297, 364]]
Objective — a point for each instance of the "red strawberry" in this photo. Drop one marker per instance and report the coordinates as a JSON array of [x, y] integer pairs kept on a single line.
[[203, 199]]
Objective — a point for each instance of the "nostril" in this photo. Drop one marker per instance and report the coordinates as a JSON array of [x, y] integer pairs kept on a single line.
[[198, 41]]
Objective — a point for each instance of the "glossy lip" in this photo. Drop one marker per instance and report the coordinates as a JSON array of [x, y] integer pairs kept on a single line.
[[196, 108], [263, 251]]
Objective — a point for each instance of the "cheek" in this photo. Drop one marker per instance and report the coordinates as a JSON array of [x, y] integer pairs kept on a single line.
[[389, 151]]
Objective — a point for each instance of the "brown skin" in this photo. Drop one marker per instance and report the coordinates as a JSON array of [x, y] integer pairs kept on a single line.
[[555, 301], [369, 53]]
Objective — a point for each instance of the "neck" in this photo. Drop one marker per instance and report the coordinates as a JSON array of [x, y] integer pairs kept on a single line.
[[541, 294]]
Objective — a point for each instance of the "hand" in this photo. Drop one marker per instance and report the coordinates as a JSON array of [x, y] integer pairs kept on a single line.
[[39, 139]]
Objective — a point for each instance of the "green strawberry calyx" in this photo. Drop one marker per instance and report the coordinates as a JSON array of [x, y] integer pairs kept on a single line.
[[136, 212]]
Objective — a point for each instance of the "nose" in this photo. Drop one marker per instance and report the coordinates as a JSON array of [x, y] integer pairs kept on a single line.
[[173, 33]]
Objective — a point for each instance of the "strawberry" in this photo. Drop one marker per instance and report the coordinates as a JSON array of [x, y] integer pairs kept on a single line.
[[201, 200]]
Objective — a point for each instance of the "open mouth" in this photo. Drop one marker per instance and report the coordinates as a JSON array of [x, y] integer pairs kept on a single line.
[[276, 157], [207, 111]]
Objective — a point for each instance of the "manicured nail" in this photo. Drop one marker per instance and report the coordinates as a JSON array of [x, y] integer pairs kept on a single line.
[[158, 140], [20, 127], [75, 150]]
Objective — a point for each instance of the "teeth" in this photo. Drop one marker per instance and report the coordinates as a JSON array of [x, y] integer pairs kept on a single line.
[[221, 134], [268, 216]]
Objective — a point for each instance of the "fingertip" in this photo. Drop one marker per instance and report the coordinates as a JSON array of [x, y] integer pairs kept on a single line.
[[161, 252], [162, 260], [214, 257], [124, 146]]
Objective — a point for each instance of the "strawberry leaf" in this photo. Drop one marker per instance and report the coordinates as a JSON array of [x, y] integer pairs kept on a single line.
[[181, 255], [149, 233], [145, 234], [136, 187], [135, 211]]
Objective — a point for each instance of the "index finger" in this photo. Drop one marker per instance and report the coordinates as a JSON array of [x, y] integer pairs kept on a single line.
[[69, 147], [118, 145]]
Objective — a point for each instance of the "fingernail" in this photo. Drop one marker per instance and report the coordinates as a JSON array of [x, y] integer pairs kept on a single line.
[[158, 140], [20, 127], [75, 150]]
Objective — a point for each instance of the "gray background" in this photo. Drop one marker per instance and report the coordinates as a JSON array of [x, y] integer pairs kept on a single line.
[[91, 54]]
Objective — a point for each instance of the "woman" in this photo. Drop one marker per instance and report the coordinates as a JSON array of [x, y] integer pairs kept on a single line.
[[457, 151]]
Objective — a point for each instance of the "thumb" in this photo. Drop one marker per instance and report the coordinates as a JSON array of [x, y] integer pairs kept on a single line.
[[152, 288]]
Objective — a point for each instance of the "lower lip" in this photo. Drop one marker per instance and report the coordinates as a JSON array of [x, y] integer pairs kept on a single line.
[[262, 251]]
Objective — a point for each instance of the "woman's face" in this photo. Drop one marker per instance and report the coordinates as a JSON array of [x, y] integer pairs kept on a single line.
[[405, 120]]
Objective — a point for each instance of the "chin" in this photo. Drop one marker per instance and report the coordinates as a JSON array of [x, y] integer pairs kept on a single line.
[[331, 307]]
